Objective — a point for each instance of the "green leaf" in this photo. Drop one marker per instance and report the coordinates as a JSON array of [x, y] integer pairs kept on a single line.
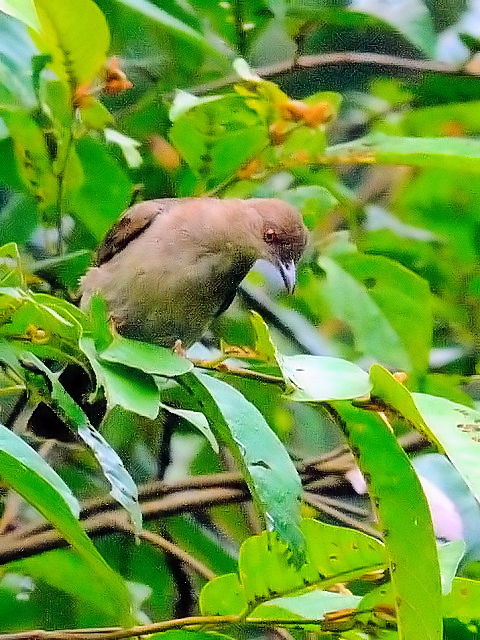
[[463, 601], [270, 474], [403, 513], [313, 201], [66, 571], [145, 356], [11, 274], [105, 192], [410, 18], [31, 156], [173, 25], [124, 387], [66, 35], [377, 148], [23, 10], [387, 307], [123, 488], [452, 427], [265, 571], [129, 147], [321, 378], [311, 378], [198, 420], [314, 604], [29, 475]]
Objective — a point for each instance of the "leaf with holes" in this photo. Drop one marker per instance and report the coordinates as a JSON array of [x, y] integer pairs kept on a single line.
[[332, 554], [404, 515], [453, 428]]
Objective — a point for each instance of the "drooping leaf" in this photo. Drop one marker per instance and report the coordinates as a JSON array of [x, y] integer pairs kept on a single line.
[[403, 513], [123, 488], [270, 474], [29, 475], [124, 387], [198, 420]]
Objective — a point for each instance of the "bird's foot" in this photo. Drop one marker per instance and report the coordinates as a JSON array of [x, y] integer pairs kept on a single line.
[[179, 349]]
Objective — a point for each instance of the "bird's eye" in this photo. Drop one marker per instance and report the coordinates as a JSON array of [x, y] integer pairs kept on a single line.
[[270, 235]]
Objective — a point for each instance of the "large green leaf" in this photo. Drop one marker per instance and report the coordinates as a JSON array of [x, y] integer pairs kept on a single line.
[[403, 513], [173, 25], [333, 554], [377, 148], [23, 10], [105, 192], [410, 18], [29, 475], [321, 378], [387, 307], [65, 570], [66, 35], [270, 474], [452, 427], [311, 378]]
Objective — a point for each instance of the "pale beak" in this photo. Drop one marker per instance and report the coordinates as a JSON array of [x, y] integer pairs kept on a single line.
[[289, 274]]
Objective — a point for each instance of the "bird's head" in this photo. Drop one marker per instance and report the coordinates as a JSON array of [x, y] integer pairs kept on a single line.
[[279, 236], [238, 232]]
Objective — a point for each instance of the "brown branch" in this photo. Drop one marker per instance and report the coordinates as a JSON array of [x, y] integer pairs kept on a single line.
[[197, 493], [342, 58], [15, 547], [172, 549]]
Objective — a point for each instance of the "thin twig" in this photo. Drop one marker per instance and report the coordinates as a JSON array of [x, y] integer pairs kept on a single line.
[[222, 367], [174, 550], [179, 623]]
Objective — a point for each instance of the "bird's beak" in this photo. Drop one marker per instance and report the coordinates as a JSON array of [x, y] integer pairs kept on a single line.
[[289, 274]]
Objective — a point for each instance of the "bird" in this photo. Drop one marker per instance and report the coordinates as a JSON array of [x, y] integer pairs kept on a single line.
[[170, 266]]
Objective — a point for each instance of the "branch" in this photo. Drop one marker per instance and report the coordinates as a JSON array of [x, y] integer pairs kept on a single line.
[[198, 493], [157, 627], [344, 58]]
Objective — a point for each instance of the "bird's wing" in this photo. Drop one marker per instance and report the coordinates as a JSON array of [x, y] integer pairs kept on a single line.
[[133, 222]]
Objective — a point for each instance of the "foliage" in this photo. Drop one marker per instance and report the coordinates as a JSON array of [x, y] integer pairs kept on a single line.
[[106, 102]]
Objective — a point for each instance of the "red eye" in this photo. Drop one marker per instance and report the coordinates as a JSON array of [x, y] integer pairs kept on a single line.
[[270, 235]]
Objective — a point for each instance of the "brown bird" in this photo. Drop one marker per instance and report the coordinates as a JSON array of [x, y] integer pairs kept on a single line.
[[169, 267]]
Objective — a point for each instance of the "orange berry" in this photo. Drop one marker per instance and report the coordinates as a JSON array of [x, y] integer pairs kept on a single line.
[[318, 113], [249, 169], [278, 131], [164, 154], [115, 79], [294, 109]]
